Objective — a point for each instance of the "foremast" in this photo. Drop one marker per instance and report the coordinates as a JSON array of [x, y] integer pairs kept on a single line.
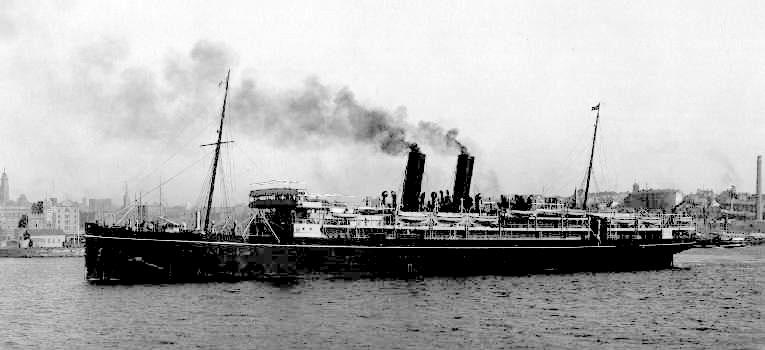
[[216, 157]]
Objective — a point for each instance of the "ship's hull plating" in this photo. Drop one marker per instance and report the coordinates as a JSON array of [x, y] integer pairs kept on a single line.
[[135, 260]]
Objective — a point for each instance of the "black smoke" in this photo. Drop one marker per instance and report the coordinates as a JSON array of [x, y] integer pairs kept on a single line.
[[315, 112], [135, 102]]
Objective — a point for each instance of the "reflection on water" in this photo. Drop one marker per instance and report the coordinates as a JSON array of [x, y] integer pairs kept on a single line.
[[713, 299]]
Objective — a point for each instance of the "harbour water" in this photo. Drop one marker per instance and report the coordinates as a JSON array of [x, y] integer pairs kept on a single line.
[[712, 299]]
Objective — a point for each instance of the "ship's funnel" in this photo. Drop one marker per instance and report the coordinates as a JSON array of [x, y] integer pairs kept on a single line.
[[462, 179], [415, 167]]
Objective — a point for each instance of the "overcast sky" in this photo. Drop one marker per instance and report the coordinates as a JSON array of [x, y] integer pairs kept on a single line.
[[97, 94]]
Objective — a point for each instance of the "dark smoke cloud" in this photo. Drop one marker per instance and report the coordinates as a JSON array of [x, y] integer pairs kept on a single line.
[[140, 104], [315, 112]]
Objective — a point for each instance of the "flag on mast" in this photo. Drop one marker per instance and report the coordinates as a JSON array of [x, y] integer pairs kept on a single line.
[[596, 107]]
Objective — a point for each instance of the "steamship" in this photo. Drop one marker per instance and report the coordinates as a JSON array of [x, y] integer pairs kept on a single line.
[[293, 233]]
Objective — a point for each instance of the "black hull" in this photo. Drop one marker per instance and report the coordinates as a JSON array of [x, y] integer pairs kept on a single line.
[[136, 260]]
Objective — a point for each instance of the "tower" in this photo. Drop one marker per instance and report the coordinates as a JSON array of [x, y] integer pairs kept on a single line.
[[125, 197], [4, 191], [758, 189]]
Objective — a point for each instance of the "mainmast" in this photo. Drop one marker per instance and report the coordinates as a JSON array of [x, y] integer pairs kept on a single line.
[[217, 155], [592, 154]]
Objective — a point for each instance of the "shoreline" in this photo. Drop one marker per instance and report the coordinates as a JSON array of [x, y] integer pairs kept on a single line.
[[42, 252]]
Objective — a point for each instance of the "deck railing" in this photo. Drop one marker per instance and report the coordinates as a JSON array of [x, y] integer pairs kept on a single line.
[[618, 226]]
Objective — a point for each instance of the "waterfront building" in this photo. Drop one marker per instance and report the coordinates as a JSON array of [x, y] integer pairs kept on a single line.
[[10, 216], [735, 204], [698, 207], [36, 221], [653, 199], [99, 204], [10, 212], [600, 200], [702, 198], [22, 201], [44, 238], [98, 209], [64, 216]]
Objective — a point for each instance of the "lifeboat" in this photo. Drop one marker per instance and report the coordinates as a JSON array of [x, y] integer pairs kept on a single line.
[[449, 218], [414, 217]]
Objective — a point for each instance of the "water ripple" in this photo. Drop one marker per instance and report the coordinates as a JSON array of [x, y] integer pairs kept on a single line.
[[712, 299]]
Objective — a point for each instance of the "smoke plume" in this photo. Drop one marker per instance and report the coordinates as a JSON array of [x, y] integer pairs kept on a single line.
[[142, 104], [435, 136], [315, 112]]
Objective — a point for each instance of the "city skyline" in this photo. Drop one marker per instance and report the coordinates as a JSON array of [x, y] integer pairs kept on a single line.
[[114, 203], [92, 104]]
